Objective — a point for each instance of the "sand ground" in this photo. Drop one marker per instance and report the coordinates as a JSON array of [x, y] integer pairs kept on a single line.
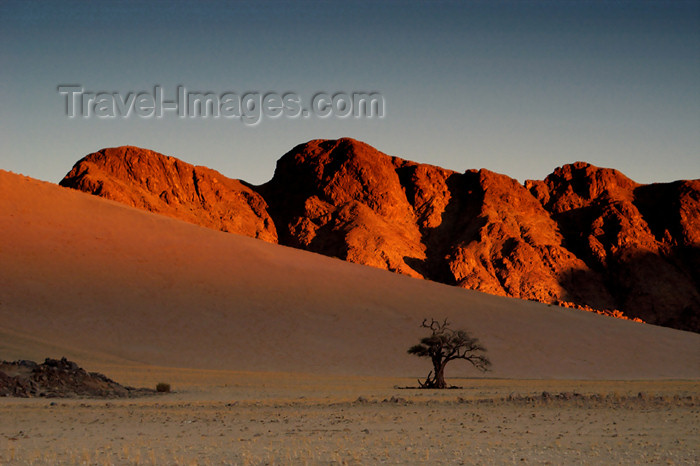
[[219, 417]]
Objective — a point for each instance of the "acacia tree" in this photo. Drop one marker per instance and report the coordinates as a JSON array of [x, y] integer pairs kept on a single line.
[[444, 345]]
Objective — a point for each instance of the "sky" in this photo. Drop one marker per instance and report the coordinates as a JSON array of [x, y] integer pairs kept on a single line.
[[517, 87]]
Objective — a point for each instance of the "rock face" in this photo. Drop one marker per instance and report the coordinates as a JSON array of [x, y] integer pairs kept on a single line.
[[148, 180], [643, 241], [345, 199], [585, 236], [58, 379]]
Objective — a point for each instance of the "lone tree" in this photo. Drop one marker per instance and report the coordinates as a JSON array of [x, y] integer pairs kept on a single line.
[[444, 345]]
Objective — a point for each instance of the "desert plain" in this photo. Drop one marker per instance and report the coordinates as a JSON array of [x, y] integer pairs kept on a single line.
[[279, 356], [219, 417]]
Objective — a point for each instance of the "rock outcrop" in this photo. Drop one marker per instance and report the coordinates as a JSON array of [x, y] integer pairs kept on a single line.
[[642, 240], [345, 199], [585, 237], [59, 378], [148, 180]]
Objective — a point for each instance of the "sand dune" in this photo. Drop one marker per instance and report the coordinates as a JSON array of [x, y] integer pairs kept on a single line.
[[106, 283]]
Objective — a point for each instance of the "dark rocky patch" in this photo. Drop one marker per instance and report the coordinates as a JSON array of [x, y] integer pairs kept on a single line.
[[59, 378]]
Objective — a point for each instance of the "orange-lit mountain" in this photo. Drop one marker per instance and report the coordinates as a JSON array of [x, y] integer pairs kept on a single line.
[[148, 180], [585, 235]]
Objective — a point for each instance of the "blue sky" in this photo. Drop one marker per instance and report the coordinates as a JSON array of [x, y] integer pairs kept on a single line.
[[516, 87]]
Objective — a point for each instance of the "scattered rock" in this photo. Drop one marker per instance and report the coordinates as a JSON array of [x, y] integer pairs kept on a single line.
[[395, 399]]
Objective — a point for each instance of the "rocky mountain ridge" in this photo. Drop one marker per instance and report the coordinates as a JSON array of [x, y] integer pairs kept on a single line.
[[585, 236]]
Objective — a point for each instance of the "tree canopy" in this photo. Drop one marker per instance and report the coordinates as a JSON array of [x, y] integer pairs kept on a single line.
[[444, 345]]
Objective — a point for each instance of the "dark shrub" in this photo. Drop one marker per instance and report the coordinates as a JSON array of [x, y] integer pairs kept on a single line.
[[163, 387]]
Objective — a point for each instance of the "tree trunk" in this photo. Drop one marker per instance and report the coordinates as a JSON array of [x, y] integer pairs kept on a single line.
[[439, 379]]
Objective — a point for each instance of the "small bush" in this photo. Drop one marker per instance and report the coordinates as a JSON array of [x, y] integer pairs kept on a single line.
[[163, 387]]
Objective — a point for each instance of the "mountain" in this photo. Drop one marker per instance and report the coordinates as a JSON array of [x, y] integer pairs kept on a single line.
[[110, 285], [585, 236], [151, 181]]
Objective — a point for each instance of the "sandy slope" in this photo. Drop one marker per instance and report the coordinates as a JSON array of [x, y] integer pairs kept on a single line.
[[106, 283]]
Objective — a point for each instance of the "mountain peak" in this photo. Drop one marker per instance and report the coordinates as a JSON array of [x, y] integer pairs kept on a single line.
[[155, 182]]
